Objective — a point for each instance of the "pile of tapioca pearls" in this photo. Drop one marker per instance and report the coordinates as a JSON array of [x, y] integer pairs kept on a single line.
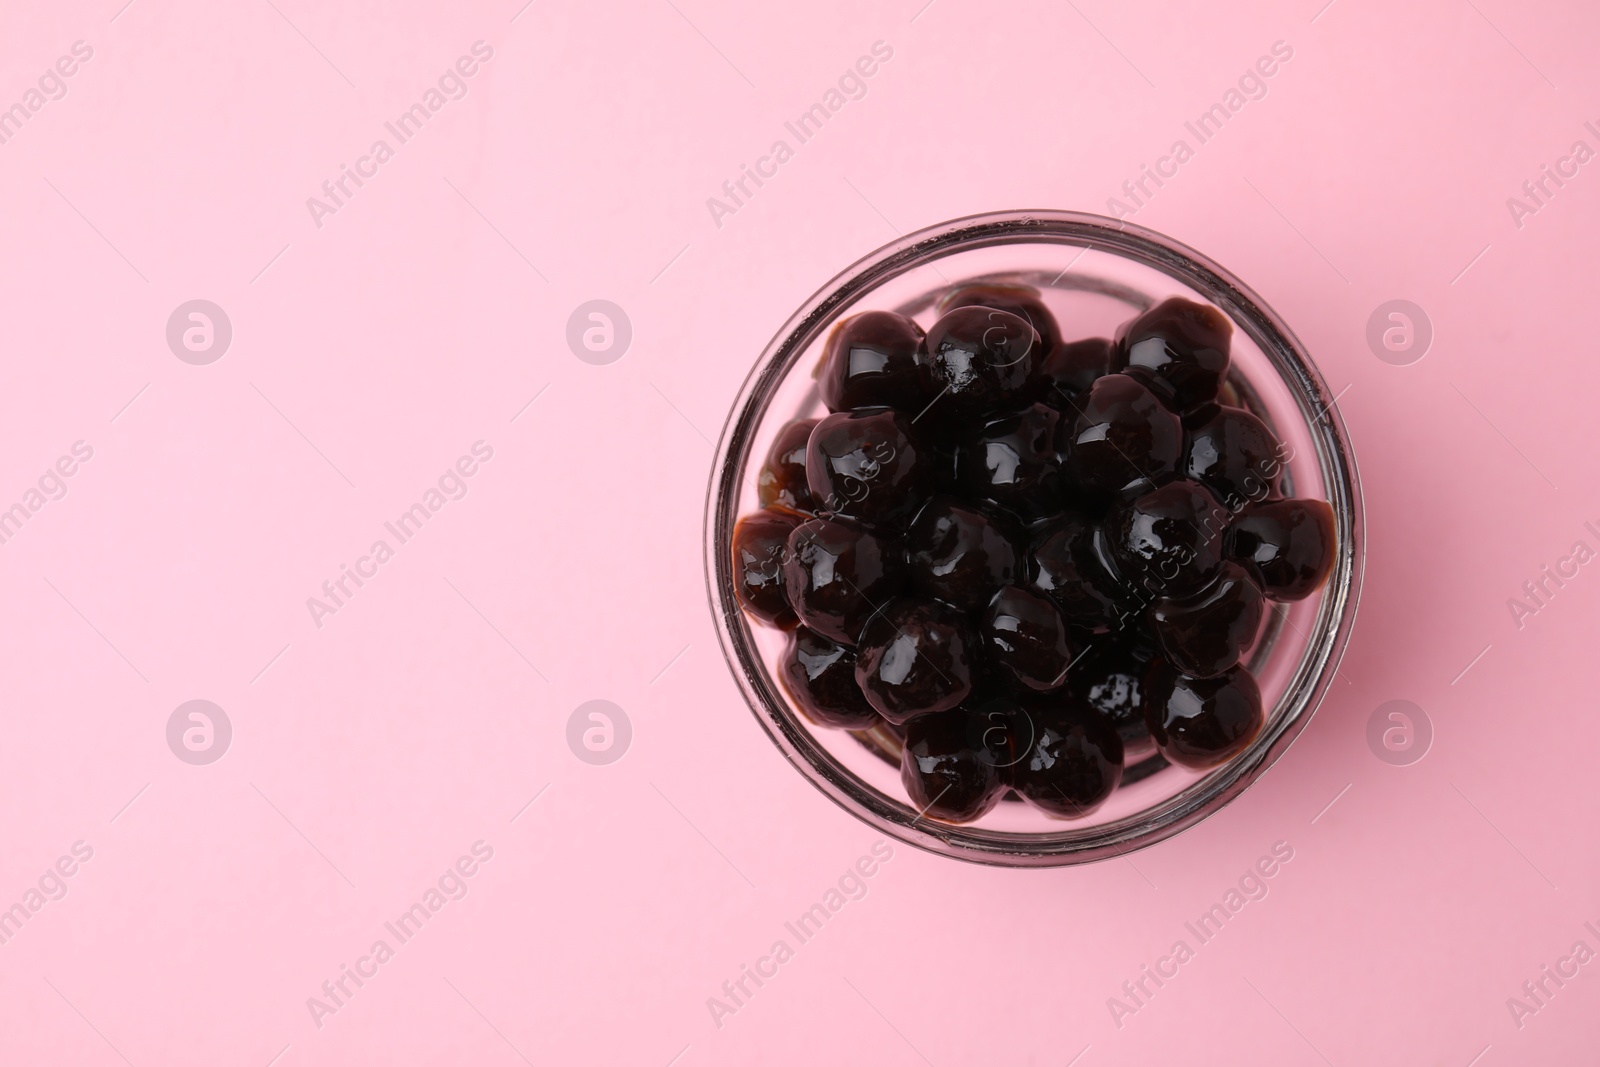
[[1038, 561]]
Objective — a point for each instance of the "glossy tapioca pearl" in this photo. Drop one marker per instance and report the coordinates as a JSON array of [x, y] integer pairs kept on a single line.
[[1064, 566], [944, 776], [868, 465], [1180, 349], [1287, 545], [1119, 436], [1025, 640], [1201, 722], [1132, 595], [1109, 677], [1020, 300], [820, 677], [1070, 369], [1235, 455], [1012, 462], [871, 360], [1075, 761], [760, 542], [836, 573], [960, 554], [916, 657], [1208, 632], [979, 363], [782, 481], [1169, 541]]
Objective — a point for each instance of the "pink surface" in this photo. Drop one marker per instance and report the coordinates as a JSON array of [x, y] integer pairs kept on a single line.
[[408, 732]]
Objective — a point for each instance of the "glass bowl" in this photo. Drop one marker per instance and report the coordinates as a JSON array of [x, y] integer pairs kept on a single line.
[[1094, 273]]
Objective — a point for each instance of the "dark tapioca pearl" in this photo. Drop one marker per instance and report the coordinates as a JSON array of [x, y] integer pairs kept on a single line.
[[1286, 544], [1064, 566], [1012, 462], [1234, 455], [1180, 349], [1132, 597], [1075, 762], [782, 481], [945, 778], [1206, 633], [1025, 638], [820, 677], [837, 573], [979, 363], [1110, 679], [1201, 722], [1119, 436], [959, 554], [1070, 369], [1168, 542], [1020, 300], [871, 360], [759, 548], [868, 465], [916, 657]]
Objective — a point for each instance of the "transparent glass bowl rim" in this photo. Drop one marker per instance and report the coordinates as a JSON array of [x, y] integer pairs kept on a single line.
[[1319, 663]]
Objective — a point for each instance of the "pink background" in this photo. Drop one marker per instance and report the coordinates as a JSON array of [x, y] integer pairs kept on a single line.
[[371, 352]]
